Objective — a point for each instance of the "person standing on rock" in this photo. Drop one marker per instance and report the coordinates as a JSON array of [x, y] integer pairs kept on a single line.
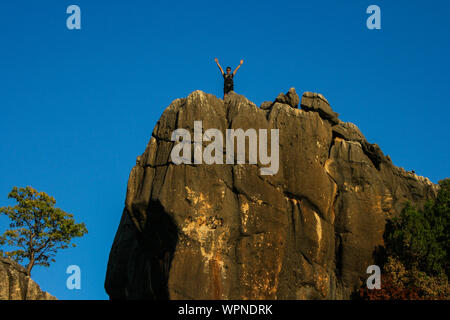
[[228, 84]]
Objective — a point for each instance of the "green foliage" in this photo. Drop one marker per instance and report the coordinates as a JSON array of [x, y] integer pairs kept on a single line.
[[420, 238], [399, 283], [37, 228], [416, 253]]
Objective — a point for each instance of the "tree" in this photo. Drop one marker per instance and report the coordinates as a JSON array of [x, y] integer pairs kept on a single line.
[[417, 252], [37, 228], [420, 238]]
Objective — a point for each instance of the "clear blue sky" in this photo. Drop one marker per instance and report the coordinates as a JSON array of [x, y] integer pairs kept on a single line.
[[78, 106]]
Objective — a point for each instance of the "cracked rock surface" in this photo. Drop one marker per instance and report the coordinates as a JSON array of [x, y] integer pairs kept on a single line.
[[16, 285], [197, 231]]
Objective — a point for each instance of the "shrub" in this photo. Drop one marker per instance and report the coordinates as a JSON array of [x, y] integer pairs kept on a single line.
[[417, 252]]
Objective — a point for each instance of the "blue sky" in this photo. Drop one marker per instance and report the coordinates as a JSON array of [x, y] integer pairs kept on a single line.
[[78, 106]]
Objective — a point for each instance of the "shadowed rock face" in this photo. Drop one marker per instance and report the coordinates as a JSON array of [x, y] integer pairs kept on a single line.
[[228, 232], [16, 285]]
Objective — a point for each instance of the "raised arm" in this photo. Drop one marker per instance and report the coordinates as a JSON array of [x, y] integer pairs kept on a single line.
[[218, 64], [235, 70]]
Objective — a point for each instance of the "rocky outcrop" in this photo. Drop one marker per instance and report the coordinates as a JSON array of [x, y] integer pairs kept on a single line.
[[290, 98], [16, 285], [317, 102], [225, 231]]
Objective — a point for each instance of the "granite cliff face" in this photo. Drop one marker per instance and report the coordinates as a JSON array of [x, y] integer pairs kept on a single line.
[[16, 285], [222, 231]]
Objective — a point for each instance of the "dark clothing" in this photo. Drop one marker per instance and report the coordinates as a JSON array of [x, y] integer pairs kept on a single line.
[[228, 84]]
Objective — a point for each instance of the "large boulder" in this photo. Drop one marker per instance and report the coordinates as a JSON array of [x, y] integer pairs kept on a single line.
[[290, 98], [316, 102], [225, 231]]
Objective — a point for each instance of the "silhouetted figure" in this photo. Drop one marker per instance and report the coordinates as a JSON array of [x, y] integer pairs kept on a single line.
[[228, 84]]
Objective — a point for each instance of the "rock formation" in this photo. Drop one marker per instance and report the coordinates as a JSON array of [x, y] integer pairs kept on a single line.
[[222, 231], [16, 285]]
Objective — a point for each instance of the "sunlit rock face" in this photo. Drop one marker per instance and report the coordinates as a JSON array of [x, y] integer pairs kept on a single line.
[[16, 285], [225, 231]]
